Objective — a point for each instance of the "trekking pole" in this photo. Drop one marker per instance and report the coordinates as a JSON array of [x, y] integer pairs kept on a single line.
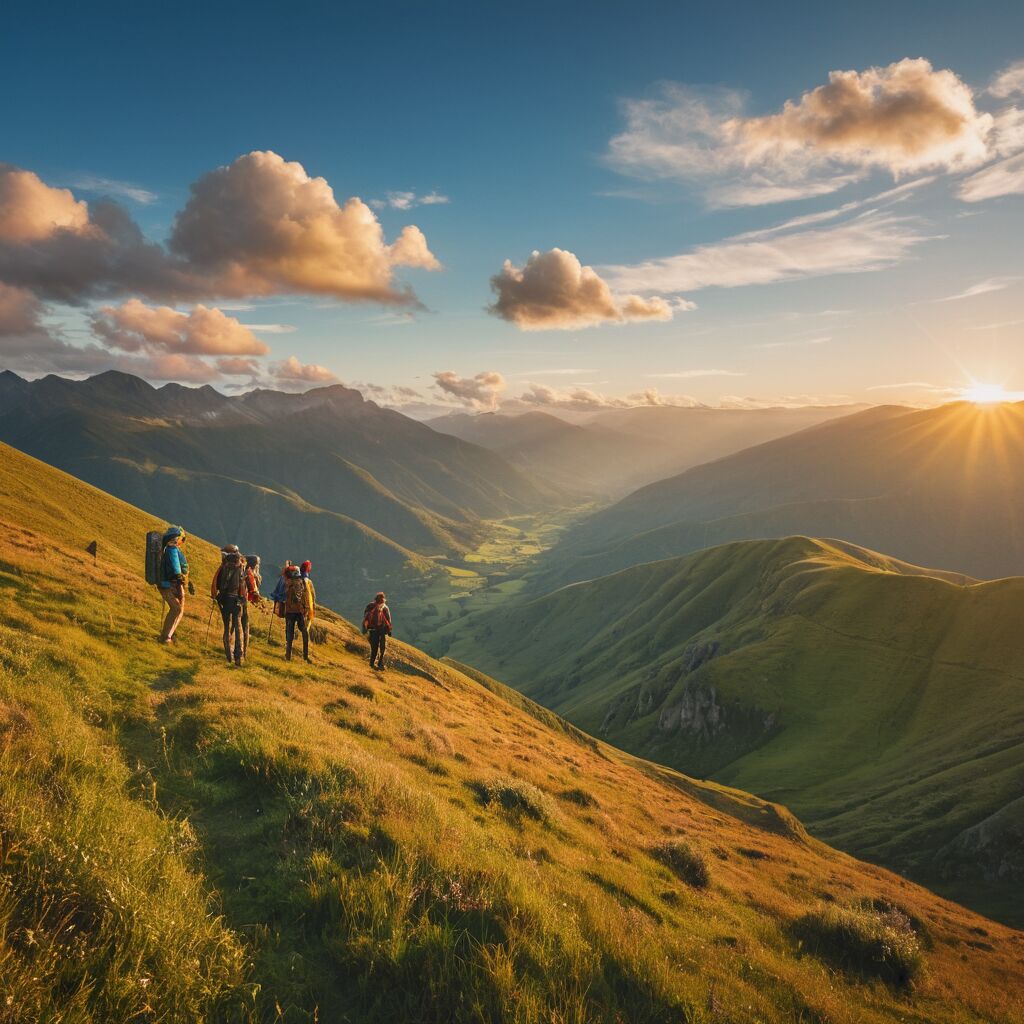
[[270, 627], [209, 624]]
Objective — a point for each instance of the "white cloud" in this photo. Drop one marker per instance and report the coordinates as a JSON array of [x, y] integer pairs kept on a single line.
[[407, 200], [992, 284], [1009, 82], [1005, 178], [112, 187], [906, 118], [822, 339], [870, 241]]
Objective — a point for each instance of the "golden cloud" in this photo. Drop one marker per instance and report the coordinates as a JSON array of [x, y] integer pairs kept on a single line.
[[554, 291], [30, 210], [134, 326], [262, 225]]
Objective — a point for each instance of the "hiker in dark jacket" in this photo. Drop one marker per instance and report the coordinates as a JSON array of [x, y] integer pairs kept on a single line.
[[298, 611], [228, 588], [173, 581], [377, 622]]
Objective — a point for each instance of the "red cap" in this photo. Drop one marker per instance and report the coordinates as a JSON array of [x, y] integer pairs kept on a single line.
[[307, 565]]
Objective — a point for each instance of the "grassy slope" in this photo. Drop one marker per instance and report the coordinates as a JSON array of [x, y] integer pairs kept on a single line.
[[181, 842], [935, 486], [884, 706]]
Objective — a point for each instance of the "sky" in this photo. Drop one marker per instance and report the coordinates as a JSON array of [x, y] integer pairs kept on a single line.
[[472, 206]]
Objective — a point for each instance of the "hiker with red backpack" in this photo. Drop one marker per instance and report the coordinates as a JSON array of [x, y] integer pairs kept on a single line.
[[230, 589], [299, 609], [377, 622]]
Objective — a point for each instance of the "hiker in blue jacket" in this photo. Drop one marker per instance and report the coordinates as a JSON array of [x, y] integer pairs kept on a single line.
[[173, 581]]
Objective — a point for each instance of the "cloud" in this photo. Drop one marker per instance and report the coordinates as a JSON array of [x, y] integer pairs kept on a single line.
[[553, 291], [687, 374], [291, 371], [256, 227], [1009, 82], [822, 339], [915, 385], [1005, 178], [904, 118], [31, 210], [407, 200], [28, 345], [992, 284], [134, 327], [112, 187], [270, 328], [581, 399], [871, 241], [479, 392], [782, 401], [262, 225]]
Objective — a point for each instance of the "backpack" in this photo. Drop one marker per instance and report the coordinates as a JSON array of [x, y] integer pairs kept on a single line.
[[375, 616], [230, 579], [295, 596], [154, 556]]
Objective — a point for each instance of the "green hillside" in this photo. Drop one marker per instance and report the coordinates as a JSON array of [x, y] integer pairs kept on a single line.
[[181, 842], [937, 486], [882, 702]]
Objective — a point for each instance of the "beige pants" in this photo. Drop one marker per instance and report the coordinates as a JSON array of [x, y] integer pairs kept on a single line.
[[175, 610]]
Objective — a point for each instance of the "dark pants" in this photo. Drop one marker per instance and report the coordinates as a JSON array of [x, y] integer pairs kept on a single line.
[[245, 628], [231, 612], [378, 644], [291, 620]]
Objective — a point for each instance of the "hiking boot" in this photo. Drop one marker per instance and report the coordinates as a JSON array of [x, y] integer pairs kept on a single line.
[[307, 659]]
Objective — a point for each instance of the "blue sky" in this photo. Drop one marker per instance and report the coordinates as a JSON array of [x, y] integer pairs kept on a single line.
[[510, 112]]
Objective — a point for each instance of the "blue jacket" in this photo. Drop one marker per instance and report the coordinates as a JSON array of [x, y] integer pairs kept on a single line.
[[278, 593], [173, 565]]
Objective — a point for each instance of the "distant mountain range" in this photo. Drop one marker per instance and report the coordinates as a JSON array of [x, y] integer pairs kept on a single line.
[[941, 487], [369, 494], [611, 452], [884, 703]]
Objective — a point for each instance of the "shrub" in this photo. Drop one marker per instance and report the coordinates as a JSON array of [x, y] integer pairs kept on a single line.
[[865, 941], [516, 796], [684, 862]]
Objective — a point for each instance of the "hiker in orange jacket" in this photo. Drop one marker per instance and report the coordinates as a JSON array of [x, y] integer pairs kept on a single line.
[[377, 622]]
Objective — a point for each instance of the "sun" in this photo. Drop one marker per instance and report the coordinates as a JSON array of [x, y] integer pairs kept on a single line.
[[989, 394]]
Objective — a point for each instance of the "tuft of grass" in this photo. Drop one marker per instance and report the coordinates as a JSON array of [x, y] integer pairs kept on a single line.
[[580, 797], [862, 940], [686, 863], [515, 796]]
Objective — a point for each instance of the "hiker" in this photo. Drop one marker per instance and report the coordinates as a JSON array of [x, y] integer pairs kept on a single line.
[[377, 622], [298, 611], [277, 594], [253, 582], [230, 590], [304, 571], [173, 580]]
